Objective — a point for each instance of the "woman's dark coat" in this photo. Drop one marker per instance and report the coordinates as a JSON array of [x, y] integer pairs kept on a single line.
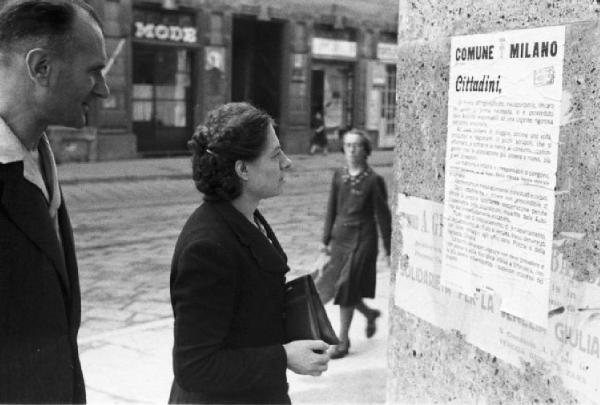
[[40, 308], [227, 293], [353, 212]]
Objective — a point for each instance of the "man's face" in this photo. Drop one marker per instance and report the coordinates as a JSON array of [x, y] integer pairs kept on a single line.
[[79, 77]]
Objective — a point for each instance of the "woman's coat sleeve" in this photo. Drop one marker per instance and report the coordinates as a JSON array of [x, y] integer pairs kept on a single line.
[[331, 210], [382, 212]]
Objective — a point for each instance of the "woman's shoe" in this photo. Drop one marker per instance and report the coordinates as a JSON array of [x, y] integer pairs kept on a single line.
[[340, 350], [371, 323]]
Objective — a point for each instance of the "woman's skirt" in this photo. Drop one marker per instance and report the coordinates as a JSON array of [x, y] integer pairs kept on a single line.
[[350, 274]]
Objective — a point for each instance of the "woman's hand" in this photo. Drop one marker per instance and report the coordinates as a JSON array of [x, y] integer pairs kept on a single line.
[[307, 357]]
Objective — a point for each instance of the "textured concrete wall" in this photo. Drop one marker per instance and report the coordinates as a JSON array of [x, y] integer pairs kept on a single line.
[[427, 364]]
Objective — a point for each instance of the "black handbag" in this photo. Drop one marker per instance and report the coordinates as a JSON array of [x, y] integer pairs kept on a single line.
[[305, 316]]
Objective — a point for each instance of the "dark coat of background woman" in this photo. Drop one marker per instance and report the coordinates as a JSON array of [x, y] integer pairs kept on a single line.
[[357, 205], [353, 213]]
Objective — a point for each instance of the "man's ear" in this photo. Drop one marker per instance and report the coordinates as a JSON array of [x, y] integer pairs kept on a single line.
[[37, 62], [241, 170]]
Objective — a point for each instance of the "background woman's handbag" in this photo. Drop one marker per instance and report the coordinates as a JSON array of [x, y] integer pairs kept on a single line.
[[305, 316]]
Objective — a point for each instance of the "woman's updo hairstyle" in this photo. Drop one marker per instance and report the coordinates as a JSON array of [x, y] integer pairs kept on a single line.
[[231, 132]]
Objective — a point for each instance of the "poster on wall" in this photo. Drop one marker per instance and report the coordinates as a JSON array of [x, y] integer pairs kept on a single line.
[[501, 158], [215, 58], [299, 63], [418, 289], [569, 347]]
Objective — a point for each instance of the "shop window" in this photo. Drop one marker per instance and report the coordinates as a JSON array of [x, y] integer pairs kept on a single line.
[[332, 90], [162, 82], [388, 104], [162, 78]]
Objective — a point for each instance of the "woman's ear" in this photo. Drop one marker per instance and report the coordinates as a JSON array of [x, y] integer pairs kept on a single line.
[[241, 169]]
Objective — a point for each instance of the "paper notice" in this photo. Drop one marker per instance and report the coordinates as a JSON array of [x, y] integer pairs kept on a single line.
[[501, 157]]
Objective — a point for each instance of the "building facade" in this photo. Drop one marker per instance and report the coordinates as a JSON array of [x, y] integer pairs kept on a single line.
[[172, 61]]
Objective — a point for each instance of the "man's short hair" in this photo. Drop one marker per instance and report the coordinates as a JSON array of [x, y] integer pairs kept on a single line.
[[43, 22]]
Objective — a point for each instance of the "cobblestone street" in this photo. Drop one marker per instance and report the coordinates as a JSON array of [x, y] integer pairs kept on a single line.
[[125, 231]]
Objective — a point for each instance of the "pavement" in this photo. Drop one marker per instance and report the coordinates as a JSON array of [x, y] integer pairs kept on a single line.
[[124, 249], [180, 167], [133, 365]]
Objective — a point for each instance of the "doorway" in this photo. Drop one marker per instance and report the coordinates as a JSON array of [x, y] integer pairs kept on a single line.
[[257, 64], [332, 85], [317, 80]]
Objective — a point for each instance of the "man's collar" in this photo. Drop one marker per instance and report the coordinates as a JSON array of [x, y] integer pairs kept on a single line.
[[11, 148]]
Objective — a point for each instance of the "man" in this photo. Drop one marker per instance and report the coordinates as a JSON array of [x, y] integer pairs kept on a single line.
[[51, 58]]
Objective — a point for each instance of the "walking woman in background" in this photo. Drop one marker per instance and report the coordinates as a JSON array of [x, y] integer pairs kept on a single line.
[[357, 203], [228, 271], [319, 138]]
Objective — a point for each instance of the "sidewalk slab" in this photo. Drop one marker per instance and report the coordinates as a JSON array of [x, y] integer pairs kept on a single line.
[[358, 378], [130, 365], [133, 365]]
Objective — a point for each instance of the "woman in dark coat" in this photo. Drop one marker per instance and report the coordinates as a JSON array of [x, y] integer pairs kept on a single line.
[[228, 271], [357, 204]]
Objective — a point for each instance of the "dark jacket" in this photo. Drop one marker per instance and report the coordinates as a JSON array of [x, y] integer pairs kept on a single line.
[[40, 306], [354, 211], [364, 203], [227, 291]]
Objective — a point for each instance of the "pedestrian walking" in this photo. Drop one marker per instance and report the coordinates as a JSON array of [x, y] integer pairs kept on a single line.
[[319, 138], [357, 204], [51, 59], [228, 271]]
